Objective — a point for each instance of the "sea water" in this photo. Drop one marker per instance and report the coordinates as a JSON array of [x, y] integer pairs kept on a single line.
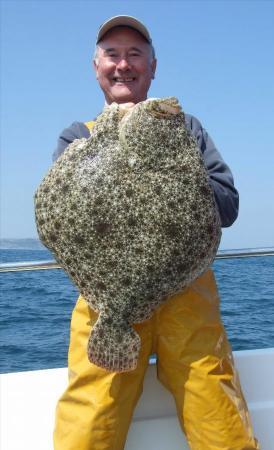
[[36, 308]]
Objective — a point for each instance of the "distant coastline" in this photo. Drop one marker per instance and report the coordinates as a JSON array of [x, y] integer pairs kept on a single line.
[[21, 244]]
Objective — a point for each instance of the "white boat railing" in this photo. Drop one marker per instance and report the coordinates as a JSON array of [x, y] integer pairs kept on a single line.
[[51, 264]]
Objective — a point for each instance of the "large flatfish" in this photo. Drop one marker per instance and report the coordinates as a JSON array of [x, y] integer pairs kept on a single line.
[[130, 215]]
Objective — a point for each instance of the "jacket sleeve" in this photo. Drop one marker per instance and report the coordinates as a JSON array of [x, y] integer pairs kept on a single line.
[[77, 130], [226, 195]]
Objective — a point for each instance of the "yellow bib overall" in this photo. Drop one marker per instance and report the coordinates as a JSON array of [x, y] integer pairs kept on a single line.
[[194, 362]]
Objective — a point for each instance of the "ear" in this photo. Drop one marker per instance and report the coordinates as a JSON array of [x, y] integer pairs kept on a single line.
[[153, 68], [95, 67]]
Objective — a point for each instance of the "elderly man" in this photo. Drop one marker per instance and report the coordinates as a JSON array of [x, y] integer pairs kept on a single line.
[[193, 355]]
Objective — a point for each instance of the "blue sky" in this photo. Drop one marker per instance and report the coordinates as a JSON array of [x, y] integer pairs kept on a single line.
[[215, 56]]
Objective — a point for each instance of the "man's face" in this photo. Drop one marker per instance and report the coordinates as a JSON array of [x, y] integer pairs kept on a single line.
[[124, 66]]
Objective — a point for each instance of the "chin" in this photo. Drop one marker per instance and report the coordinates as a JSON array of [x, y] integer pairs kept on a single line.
[[125, 100], [124, 97]]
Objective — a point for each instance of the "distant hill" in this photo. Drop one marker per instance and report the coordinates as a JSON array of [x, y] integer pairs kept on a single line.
[[21, 244]]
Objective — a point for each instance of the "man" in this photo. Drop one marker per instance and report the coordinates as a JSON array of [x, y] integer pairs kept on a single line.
[[193, 355]]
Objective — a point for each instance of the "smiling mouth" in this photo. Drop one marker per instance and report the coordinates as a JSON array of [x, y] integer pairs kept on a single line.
[[124, 80]]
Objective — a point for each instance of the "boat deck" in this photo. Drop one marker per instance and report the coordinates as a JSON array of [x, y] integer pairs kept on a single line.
[[28, 401]]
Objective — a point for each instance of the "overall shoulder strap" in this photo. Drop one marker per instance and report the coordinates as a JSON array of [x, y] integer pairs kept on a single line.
[[90, 124]]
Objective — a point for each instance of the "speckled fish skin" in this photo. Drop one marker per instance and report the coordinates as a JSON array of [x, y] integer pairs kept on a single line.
[[130, 215]]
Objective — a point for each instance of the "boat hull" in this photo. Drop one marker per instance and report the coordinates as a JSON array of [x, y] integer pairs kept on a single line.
[[28, 401]]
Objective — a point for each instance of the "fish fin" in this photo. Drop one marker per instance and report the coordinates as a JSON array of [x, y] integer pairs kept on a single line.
[[114, 347]]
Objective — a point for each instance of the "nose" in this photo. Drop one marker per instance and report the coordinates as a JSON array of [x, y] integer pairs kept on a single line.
[[124, 64]]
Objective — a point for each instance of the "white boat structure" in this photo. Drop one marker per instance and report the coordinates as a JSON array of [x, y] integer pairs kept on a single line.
[[28, 401]]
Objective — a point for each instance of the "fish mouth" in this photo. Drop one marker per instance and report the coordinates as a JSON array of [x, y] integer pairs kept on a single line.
[[166, 107]]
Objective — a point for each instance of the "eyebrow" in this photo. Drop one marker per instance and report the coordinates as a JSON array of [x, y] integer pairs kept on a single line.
[[112, 49], [109, 50]]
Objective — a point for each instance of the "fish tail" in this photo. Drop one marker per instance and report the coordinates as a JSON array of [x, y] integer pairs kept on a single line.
[[114, 348]]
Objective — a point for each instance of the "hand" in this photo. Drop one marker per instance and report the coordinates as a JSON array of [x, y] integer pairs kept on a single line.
[[126, 105]]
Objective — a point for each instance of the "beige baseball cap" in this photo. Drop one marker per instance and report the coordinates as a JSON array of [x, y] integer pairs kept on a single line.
[[128, 21]]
